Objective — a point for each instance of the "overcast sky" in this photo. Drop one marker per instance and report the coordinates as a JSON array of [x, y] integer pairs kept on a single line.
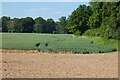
[[43, 9]]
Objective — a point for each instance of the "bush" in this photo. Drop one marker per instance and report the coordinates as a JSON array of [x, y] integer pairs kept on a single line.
[[77, 33], [92, 32]]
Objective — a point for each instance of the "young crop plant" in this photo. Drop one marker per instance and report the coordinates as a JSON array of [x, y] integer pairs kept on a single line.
[[54, 43]]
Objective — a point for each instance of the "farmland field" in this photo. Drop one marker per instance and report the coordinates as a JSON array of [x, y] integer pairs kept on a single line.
[[55, 43], [35, 64]]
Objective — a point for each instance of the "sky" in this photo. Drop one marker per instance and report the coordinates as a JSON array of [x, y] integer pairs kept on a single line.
[[46, 10], [45, 0]]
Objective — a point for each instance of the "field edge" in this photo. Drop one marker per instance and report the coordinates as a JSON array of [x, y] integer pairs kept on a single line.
[[36, 51]]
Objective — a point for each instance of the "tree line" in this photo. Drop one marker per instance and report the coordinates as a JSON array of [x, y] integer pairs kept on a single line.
[[98, 19], [30, 25]]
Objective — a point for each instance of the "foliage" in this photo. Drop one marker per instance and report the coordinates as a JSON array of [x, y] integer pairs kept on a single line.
[[108, 42], [77, 21], [28, 24], [105, 19], [50, 25], [20, 25], [5, 20], [14, 25], [95, 19], [92, 32], [61, 25], [40, 25]]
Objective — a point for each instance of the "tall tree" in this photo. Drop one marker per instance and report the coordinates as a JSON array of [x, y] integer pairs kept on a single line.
[[95, 19], [105, 19], [77, 21], [61, 25], [5, 20], [110, 23], [40, 25], [50, 26], [28, 24], [0, 24], [11, 25], [14, 25]]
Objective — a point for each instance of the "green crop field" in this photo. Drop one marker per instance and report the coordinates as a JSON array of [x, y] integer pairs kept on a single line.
[[55, 43]]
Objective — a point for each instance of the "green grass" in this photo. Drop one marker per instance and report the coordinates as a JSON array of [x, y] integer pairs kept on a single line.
[[56, 43], [110, 42], [103, 41]]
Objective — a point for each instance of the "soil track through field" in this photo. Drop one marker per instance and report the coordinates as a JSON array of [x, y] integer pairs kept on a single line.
[[34, 64]]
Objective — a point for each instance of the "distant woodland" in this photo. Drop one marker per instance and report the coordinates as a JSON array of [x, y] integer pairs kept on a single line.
[[98, 19]]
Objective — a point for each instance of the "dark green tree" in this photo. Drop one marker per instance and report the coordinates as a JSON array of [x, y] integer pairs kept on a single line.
[[78, 20], [0, 24], [95, 19], [14, 25], [11, 25], [61, 25], [105, 20], [28, 24], [40, 25], [5, 20], [50, 26], [110, 23]]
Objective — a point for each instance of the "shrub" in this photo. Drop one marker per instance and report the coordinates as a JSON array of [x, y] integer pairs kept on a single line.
[[92, 32]]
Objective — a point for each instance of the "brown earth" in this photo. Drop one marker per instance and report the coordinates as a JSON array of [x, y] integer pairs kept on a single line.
[[34, 64]]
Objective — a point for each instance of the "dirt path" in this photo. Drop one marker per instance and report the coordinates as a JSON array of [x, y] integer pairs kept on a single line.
[[33, 64]]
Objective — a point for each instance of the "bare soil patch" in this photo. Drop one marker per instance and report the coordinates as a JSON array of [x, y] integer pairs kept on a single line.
[[34, 64]]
